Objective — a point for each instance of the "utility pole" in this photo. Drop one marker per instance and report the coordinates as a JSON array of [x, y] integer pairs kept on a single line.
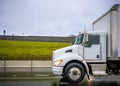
[[4, 33]]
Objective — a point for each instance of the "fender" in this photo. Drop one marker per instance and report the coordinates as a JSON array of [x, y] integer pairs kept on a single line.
[[66, 58]]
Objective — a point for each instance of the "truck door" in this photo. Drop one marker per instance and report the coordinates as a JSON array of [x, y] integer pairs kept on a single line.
[[93, 51]]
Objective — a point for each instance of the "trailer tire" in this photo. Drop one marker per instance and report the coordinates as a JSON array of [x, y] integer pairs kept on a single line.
[[74, 72]]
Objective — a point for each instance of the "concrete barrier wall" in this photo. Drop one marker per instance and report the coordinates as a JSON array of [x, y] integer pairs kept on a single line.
[[29, 66], [39, 38], [34, 66]]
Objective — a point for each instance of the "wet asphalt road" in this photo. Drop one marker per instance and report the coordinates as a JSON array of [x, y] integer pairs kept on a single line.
[[47, 81]]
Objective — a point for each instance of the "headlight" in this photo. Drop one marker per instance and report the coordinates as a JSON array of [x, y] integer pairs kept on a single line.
[[58, 62]]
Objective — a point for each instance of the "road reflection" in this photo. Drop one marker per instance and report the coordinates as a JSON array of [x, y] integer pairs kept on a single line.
[[56, 82], [63, 82]]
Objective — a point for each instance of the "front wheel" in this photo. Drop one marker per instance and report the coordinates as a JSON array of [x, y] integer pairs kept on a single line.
[[74, 72]]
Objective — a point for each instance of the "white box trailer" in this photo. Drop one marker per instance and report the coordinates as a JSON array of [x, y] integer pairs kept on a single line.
[[110, 23], [101, 46]]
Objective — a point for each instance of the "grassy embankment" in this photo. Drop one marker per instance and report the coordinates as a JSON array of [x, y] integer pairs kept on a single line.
[[23, 50]]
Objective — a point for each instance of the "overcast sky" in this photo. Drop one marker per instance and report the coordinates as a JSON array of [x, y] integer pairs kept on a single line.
[[50, 17]]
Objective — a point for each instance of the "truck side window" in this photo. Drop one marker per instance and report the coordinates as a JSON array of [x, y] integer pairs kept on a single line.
[[94, 39]]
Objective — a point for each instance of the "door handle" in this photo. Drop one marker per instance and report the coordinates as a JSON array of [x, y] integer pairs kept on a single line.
[[98, 56]]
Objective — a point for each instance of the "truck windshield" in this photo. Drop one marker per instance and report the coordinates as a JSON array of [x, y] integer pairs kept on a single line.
[[78, 39]]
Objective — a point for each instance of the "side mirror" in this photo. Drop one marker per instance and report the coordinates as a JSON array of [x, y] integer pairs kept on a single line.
[[86, 44]]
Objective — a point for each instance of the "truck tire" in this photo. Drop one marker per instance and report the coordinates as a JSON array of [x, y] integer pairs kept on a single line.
[[74, 72]]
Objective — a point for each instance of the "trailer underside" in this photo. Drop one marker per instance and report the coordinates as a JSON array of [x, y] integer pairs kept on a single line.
[[113, 66]]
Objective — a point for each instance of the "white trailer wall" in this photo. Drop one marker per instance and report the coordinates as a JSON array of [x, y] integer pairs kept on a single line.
[[110, 23], [103, 25], [119, 31]]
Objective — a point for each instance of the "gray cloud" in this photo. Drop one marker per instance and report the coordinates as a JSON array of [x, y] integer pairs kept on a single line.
[[50, 17]]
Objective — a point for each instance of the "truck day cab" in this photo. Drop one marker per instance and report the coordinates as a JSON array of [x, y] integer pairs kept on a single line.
[[101, 46]]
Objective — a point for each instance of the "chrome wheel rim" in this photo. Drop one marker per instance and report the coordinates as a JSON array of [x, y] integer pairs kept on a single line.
[[74, 73]]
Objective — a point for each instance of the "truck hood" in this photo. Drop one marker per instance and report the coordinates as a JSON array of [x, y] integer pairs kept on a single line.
[[65, 50]]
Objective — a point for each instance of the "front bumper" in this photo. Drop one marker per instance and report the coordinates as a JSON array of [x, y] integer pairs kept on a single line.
[[57, 70]]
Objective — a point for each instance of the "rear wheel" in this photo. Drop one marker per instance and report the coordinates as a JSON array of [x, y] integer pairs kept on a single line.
[[74, 72]]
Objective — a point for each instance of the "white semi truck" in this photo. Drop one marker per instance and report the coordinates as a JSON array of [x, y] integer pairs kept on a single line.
[[101, 46]]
